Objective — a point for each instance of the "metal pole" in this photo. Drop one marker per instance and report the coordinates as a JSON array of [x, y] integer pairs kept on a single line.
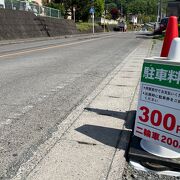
[[93, 21], [121, 9], [104, 25], [104, 14], [160, 9], [93, 14], [158, 13], [74, 13]]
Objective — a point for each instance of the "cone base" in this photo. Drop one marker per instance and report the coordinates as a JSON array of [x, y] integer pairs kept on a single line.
[[158, 150], [138, 167], [138, 154]]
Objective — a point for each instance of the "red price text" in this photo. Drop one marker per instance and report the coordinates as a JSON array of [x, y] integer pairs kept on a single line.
[[156, 118]]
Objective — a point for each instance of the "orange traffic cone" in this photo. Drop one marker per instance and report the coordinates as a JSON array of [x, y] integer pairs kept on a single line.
[[171, 33]]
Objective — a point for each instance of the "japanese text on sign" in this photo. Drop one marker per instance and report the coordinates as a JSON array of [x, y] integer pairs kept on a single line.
[[158, 111], [161, 75]]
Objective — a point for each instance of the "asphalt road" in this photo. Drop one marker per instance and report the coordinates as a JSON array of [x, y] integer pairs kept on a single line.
[[42, 82]]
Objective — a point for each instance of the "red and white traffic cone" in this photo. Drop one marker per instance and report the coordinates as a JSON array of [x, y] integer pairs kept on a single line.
[[174, 53], [171, 33]]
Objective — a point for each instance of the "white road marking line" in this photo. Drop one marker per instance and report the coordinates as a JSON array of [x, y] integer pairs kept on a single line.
[[16, 116], [60, 87], [52, 47], [26, 109], [6, 122]]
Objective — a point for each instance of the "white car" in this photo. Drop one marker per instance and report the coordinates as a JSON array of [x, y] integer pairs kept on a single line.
[[2, 4]]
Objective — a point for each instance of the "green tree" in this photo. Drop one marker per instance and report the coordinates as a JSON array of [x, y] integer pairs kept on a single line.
[[56, 6], [99, 7], [83, 7], [146, 10]]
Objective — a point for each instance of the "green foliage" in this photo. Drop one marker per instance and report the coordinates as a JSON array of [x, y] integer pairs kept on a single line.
[[146, 18], [99, 7], [110, 6], [83, 7], [84, 26], [56, 6], [146, 9], [112, 11], [159, 37], [142, 7]]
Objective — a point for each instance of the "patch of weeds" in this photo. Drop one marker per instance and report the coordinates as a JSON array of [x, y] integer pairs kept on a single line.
[[82, 26], [159, 37]]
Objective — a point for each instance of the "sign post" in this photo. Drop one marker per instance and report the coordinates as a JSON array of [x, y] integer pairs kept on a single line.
[[158, 113], [92, 11]]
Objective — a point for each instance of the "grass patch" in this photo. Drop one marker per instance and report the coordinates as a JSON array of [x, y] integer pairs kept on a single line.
[[159, 37], [84, 26]]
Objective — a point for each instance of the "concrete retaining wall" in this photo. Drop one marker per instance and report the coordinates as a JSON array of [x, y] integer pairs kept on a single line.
[[22, 24], [56, 27], [18, 24]]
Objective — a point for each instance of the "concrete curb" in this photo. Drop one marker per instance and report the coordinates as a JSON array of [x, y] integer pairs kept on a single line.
[[113, 163]]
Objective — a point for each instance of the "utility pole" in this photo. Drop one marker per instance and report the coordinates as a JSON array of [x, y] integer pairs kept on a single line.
[[92, 11], [159, 16], [160, 11], [74, 13], [93, 21], [104, 15]]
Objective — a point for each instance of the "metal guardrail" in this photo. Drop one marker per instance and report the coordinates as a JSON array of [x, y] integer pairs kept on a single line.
[[32, 7]]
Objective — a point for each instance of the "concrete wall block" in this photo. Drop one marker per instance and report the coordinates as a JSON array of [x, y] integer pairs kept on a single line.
[[22, 24]]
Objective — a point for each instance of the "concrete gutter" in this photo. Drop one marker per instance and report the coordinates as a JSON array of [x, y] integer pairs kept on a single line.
[[92, 141]]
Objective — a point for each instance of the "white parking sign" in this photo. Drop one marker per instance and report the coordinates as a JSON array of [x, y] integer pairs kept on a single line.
[[158, 113]]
